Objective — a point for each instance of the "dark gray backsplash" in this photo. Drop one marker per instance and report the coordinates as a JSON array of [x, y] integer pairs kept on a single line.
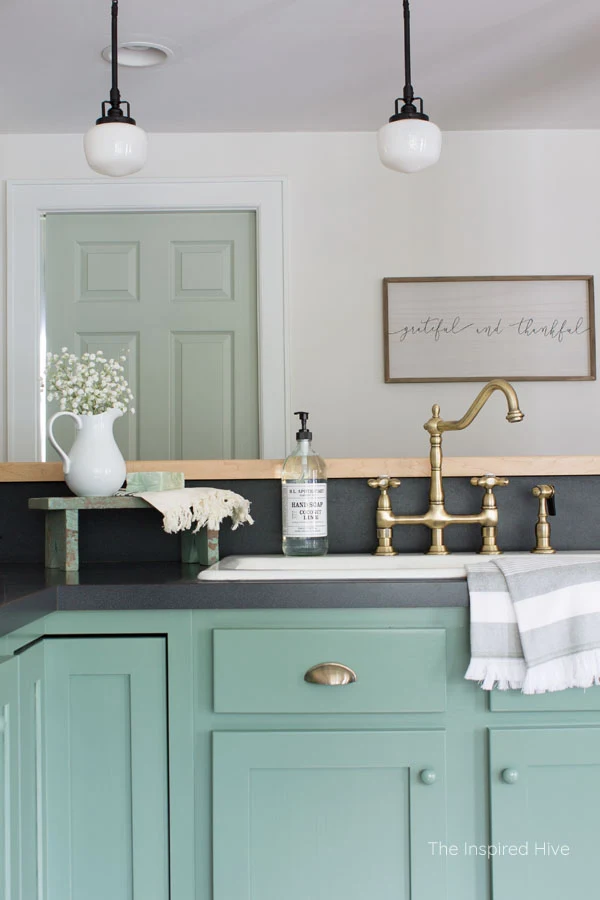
[[136, 536]]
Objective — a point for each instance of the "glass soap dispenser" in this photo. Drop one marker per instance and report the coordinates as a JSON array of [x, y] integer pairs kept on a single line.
[[304, 498]]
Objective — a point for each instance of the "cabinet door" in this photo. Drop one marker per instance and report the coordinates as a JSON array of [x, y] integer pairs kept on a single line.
[[95, 791], [328, 815], [545, 787], [9, 825]]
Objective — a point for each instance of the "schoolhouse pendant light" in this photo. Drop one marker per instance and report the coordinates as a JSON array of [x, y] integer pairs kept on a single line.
[[115, 145], [409, 142]]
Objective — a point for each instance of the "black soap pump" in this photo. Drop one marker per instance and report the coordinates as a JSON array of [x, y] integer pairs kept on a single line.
[[304, 498]]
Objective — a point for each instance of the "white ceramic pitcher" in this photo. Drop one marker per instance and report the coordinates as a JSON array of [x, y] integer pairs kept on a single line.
[[95, 466]]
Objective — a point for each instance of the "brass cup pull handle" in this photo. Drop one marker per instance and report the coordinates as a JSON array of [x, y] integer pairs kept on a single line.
[[330, 673]]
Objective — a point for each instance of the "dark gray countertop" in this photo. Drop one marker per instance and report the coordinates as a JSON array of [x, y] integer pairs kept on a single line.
[[29, 592]]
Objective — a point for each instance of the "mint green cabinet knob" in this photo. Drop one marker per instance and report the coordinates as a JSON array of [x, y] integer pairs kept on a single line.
[[510, 776], [427, 776]]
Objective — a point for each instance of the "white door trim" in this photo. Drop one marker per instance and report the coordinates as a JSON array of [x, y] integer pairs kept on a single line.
[[28, 201]]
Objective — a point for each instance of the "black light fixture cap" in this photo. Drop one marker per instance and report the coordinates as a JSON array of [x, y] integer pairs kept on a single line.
[[115, 114], [409, 110], [119, 120]]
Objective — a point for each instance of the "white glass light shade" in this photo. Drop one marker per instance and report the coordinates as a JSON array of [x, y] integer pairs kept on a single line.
[[115, 148], [409, 145]]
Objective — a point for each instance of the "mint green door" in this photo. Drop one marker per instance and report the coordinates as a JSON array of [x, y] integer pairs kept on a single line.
[[9, 781], [545, 789], [176, 294], [328, 815], [94, 769]]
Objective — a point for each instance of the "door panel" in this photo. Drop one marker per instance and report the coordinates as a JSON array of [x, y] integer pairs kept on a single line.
[[327, 815], [199, 359], [549, 813], [175, 293], [97, 813], [9, 781]]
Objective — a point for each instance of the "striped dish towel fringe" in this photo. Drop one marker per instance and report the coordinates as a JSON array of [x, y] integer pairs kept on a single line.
[[535, 624]]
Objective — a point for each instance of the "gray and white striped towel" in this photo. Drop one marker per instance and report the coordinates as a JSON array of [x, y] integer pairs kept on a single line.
[[535, 623]]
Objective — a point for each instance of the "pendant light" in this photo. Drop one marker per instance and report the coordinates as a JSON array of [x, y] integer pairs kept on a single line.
[[115, 145], [409, 142]]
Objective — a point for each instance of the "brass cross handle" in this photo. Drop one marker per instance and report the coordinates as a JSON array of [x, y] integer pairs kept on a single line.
[[384, 507], [384, 482], [488, 481], [489, 543]]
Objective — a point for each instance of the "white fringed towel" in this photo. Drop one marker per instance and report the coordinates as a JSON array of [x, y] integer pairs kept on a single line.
[[200, 507], [535, 624]]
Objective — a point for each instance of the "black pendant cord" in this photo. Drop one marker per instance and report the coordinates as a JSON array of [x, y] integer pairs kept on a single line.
[[115, 96], [408, 109], [409, 93], [111, 109]]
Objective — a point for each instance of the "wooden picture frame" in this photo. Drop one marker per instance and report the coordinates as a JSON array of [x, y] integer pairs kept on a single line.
[[524, 328]]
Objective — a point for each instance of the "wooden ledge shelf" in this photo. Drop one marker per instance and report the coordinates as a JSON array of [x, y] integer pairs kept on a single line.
[[406, 467]]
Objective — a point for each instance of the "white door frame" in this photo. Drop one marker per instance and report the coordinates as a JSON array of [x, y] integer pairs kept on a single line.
[[28, 201]]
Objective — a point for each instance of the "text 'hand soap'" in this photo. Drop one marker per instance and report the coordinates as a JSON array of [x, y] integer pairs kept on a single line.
[[304, 498]]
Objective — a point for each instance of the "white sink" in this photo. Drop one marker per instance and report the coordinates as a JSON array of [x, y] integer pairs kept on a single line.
[[362, 567]]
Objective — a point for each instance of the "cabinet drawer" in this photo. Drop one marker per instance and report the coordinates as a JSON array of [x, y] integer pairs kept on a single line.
[[262, 670], [572, 700]]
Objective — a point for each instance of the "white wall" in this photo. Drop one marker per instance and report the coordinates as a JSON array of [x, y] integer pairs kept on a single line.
[[498, 203]]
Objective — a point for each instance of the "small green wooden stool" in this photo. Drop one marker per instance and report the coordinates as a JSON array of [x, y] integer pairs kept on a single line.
[[62, 530]]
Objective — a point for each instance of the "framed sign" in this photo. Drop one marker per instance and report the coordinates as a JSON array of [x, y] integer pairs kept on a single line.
[[532, 328]]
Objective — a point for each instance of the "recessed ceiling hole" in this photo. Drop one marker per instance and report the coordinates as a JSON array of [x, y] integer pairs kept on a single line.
[[140, 54]]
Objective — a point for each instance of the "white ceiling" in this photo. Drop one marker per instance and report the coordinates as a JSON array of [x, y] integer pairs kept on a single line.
[[304, 65]]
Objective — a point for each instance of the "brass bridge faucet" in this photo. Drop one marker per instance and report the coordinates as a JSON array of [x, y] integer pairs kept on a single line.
[[437, 517]]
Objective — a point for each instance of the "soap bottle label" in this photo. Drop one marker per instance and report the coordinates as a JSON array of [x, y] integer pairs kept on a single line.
[[304, 509]]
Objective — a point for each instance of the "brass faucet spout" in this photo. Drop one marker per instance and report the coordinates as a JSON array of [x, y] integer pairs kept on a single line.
[[435, 425]]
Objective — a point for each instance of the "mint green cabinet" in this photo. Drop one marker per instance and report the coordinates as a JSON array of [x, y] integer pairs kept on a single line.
[[328, 815], [9, 781], [545, 791], [94, 781], [259, 786]]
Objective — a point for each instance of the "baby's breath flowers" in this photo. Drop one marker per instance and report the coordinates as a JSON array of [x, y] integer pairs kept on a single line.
[[88, 385]]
